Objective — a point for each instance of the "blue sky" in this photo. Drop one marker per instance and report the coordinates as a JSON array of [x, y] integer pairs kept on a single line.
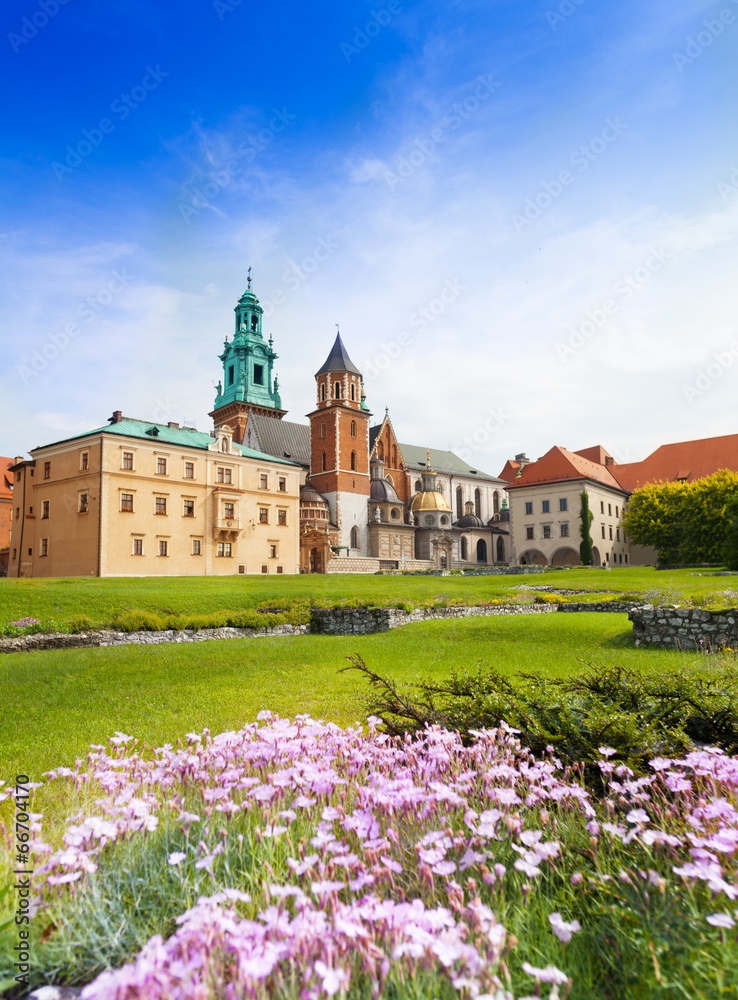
[[523, 215]]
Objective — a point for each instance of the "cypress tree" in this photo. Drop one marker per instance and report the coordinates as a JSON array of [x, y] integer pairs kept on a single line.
[[586, 517]]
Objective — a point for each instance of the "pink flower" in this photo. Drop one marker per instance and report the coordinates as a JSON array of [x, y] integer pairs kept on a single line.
[[561, 928], [721, 920], [548, 975], [175, 857]]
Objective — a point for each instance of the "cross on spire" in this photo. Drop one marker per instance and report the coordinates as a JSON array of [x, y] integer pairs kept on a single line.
[[249, 272]]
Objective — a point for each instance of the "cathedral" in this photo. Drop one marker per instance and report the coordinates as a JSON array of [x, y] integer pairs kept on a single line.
[[367, 502], [257, 493]]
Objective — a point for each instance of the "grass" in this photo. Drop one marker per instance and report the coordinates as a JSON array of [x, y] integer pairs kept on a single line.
[[60, 599], [57, 704]]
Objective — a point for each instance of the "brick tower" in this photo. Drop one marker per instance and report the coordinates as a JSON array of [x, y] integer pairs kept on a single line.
[[339, 447]]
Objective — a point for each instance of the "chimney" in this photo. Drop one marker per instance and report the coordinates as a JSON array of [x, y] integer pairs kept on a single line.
[[116, 417], [172, 424], [609, 460], [523, 459]]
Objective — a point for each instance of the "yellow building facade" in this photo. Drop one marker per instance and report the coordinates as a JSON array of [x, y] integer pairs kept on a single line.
[[142, 499]]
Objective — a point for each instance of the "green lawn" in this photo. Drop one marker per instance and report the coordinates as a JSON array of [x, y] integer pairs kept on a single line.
[[59, 599], [56, 704]]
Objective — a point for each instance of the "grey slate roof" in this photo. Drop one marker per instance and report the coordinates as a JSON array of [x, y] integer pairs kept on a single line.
[[444, 462], [338, 360], [282, 438]]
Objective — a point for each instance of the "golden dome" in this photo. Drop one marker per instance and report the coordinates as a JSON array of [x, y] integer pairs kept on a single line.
[[429, 500]]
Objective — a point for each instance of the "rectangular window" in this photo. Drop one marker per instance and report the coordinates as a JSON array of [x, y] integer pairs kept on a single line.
[[563, 504], [163, 547], [229, 511], [611, 534], [47, 470], [196, 550], [602, 506], [85, 461], [44, 547], [263, 515], [127, 459], [231, 374], [17, 513], [83, 503], [626, 556], [603, 530], [529, 533], [45, 509], [224, 549], [617, 511], [609, 509], [223, 475], [265, 569], [547, 531], [161, 466], [280, 569], [546, 506], [263, 481], [281, 517], [189, 470], [138, 546], [564, 530], [126, 502], [617, 534], [258, 375], [282, 484], [272, 551], [529, 508], [160, 505], [189, 508]]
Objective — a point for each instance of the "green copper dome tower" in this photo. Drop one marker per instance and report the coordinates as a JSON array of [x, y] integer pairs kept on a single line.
[[248, 383]]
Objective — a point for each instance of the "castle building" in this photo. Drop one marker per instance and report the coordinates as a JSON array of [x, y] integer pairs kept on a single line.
[[258, 494]]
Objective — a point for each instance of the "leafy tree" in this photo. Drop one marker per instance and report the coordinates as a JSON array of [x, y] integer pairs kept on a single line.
[[730, 549], [685, 522], [586, 517]]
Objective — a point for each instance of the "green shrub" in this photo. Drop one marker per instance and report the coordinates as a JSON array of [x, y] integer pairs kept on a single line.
[[640, 716], [139, 621], [80, 623]]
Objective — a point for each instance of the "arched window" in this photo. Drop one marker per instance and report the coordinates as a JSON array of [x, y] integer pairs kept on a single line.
[[353, 391], [500, 550], [354, 537], [353, 461], [322, 393], [418, 486], [353, 426], [478, 505], [389, 479], [459, 502], [337, 390], [394, 457], [322, 429], [464, 549], [322, 462], [496, 503]]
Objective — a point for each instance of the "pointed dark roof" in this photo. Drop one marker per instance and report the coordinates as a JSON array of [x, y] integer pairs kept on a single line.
[[338, 360]]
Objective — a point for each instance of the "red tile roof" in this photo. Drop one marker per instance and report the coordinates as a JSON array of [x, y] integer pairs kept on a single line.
[[688, 460], [559, 465], [510, 471], [6, 478], [597, 454]]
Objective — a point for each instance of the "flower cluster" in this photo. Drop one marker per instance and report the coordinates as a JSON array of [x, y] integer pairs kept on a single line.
[[377, 860]]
